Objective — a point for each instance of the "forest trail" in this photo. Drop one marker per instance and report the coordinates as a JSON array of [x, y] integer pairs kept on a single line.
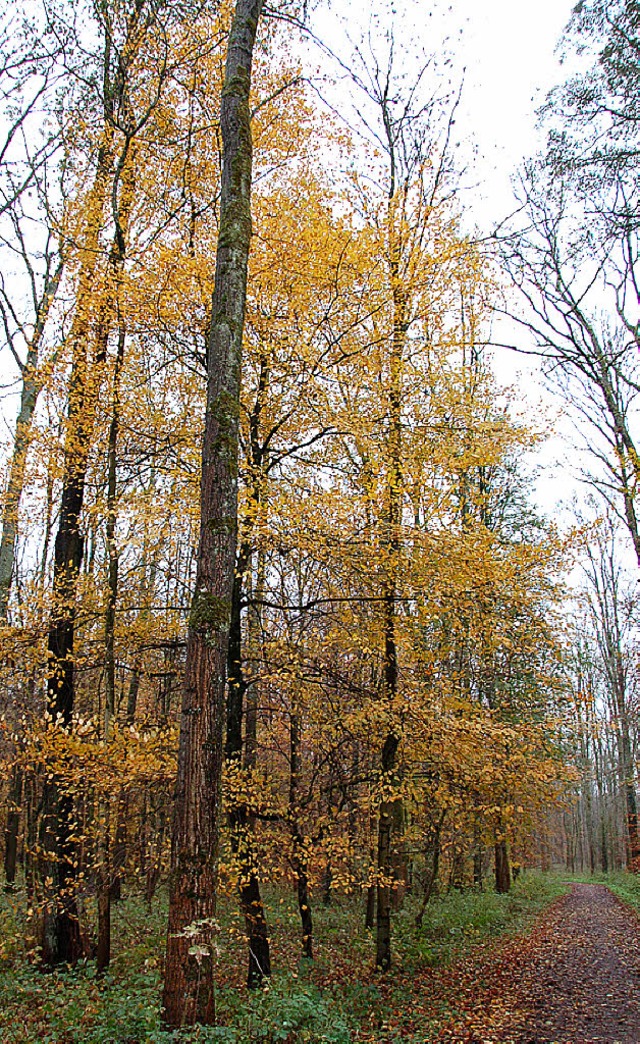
[[575, 979]]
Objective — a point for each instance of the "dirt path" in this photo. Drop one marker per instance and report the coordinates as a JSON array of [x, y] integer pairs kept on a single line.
[[574, 980]]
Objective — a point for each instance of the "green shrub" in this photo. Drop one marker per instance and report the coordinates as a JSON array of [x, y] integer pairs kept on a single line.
[[294, 1011]]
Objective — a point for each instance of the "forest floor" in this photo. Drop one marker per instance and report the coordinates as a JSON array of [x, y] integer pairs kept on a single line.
[[550, 963], [573, 979]]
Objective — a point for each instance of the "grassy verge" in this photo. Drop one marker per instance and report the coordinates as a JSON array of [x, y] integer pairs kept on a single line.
[[327, 1001]]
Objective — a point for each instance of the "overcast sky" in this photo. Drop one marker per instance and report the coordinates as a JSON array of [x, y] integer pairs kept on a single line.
[[507, 51]]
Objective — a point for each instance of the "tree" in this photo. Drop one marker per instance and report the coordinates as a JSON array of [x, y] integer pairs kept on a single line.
[[574, 257], [413, 178], [30, 238], [595, 115], [613, 618], [368, 577], [189, 985], [562, 273], [121, 112]]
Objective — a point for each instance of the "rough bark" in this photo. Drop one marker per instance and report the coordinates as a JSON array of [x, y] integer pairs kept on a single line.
[[189, 970]]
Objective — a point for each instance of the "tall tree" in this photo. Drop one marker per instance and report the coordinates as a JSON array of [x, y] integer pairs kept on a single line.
[[29, 236], [613, 618], [121, 112], [594, 137], [410, 135], [574, 259], [189, 988], [577, 302]]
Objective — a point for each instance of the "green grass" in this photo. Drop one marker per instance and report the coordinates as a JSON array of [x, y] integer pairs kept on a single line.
[[458, 920], [305, 1003]]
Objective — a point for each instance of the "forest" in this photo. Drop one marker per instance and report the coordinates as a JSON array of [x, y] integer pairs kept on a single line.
[[304, 692]]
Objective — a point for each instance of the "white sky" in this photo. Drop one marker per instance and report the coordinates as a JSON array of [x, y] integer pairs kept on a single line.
[[507, 49]]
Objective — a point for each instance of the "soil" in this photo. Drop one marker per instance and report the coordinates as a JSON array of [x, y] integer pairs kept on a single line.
[[575, 979]]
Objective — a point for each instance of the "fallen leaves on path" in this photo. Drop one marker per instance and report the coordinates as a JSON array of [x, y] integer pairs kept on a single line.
[[574, 980]]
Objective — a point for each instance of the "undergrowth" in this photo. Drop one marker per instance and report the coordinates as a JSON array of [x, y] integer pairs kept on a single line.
[[327, 1000]]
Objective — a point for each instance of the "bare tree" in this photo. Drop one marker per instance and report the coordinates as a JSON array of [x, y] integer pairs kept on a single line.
[[30, 244], [613, 608], [407, 120], [576, 299]]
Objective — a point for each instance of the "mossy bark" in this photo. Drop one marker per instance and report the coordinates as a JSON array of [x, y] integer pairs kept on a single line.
[[189, 987]]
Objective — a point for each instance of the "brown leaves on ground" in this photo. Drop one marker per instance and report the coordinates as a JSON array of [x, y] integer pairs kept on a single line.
[[574, 980]]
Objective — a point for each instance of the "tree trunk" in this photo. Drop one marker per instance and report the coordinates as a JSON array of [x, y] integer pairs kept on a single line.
[[370, 912], [155, 864], [388, 806], [120, 846], [304, 906], [392, 542], [327, 878], [399, 858], [189, 981], [111, 547], [477, 854], [456, 872], [299, 860], [13, 827], [383, 896], [431, 877], [628, 783], [61, 942], [502, 869], [28, 398], [104, 878], [241, 823]]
